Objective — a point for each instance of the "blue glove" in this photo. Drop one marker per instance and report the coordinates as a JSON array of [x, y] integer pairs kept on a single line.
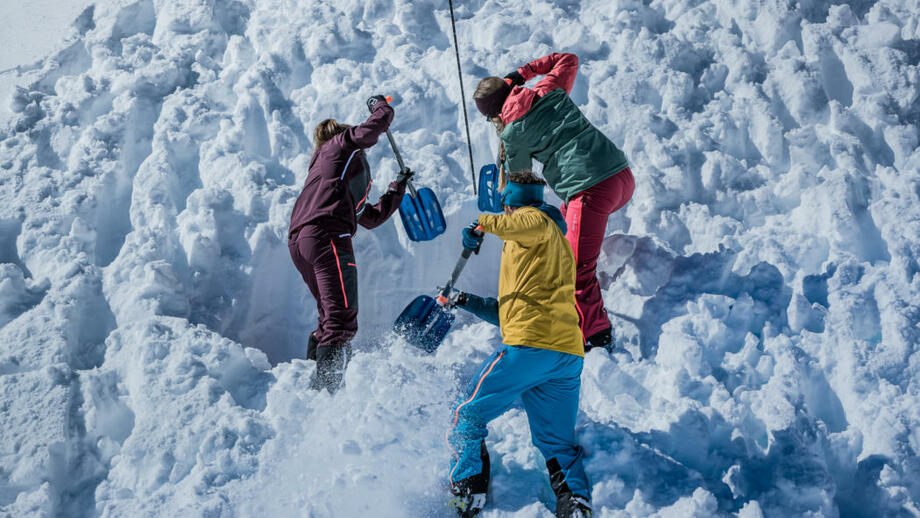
[[472, 237]]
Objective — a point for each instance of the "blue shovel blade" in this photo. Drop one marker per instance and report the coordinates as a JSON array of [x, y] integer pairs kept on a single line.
[[422, 216], [434, 218], [412, 219], [424, 323], [490, 198]]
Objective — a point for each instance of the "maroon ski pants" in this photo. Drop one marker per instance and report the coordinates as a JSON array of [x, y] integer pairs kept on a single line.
[[327, 263], [586, 217]]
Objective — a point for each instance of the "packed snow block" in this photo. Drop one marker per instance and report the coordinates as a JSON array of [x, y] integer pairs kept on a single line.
[[709, 231], [37, 416], [713, 326], [141, 283], [31, 342], [904, 141], [212, 231], [17, 294], [645, 263], [701, 503], [875, 481], [614, 393], [10, 229], [905, 251], [639, 477], [796, 468], [820, 45], [805, 315], [690, 277], [66, 321], [165, 370], [36, 502], [795, 89], [839, 210], [724, 172], [89, 316], [111, 26], [107, 413]]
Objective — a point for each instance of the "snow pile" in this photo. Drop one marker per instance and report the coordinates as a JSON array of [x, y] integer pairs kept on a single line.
[[764, 280]]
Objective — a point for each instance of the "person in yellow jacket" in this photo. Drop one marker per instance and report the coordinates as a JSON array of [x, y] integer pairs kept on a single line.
[[541, 360]]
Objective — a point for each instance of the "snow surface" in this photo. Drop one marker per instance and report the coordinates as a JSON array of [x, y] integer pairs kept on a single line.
[[764, 279], [29, 31]]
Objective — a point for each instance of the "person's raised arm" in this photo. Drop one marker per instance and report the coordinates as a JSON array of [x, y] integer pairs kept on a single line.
[[559, 68], [365, 135]]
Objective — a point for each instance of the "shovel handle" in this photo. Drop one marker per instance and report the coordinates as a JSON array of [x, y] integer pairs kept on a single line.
[[445, 292], [402, 165]]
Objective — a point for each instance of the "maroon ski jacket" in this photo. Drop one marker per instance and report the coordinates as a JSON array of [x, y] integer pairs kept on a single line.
[[339, 181]]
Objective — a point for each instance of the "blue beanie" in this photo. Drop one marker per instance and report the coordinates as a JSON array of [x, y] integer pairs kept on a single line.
[[522, 195]]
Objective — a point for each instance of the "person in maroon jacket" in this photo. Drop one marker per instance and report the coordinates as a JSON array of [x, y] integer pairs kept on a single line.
[[325, 217]]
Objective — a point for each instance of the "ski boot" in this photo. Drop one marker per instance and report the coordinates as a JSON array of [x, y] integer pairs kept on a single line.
[[466, 504], [331, 361], [602, 339], [572, 506], [311, 347], [568, 505], [469, 495]]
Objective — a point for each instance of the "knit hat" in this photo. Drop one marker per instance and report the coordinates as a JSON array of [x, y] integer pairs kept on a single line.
[[491, 105], [522, 195]]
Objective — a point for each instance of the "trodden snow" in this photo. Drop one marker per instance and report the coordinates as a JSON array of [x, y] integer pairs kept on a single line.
[[763, 282]]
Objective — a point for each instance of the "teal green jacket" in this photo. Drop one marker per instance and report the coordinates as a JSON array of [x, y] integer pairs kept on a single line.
[[575, 155]]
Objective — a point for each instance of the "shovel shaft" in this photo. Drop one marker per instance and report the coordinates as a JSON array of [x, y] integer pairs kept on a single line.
[[461, 263], [411, 189], [444, 296], [402, 165]]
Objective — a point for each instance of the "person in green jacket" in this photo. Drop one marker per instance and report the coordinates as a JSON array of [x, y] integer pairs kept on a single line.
[[582, 166]]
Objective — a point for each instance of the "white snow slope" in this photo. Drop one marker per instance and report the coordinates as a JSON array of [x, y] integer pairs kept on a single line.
[[764, 279]]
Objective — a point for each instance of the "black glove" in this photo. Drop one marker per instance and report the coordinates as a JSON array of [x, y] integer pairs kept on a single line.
[[516, 78], [373, 100], [403, 177], [472, 237], [454, 298]]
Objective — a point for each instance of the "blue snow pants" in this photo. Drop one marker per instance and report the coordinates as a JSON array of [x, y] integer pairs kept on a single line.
[[548, 383]]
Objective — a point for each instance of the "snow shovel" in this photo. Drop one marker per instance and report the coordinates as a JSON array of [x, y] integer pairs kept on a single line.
[[420, 211], [425, 321], [490, 198]]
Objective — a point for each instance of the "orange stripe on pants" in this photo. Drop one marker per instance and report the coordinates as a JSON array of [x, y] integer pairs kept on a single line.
[[457, 415], [339, 266]]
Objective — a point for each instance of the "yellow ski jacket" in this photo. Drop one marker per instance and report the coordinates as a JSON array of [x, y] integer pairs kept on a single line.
[[536, 285]]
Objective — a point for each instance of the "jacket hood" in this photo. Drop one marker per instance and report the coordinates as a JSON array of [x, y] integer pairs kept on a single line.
[[554, 214]]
